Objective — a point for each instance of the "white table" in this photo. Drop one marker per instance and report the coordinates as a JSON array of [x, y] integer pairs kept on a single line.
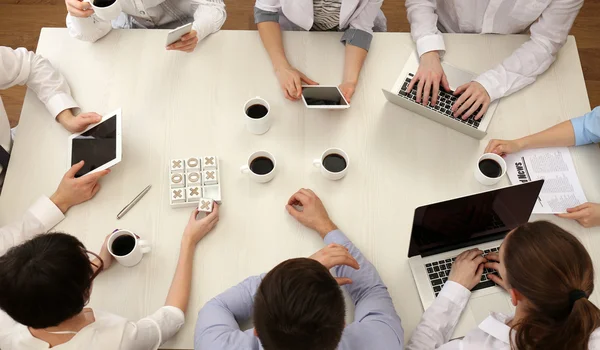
[[176, 105]]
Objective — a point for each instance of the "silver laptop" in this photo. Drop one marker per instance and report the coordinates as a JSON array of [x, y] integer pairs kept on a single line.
[[443, 230], [440, 113]]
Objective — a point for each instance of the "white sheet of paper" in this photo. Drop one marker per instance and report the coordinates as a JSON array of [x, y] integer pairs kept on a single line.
[[562, 189]]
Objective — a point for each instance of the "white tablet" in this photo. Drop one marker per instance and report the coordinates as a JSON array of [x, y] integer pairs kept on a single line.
[[324, 97], [177, 33], [99, 145]]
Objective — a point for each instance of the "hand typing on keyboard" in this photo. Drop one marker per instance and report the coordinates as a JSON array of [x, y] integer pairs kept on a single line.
[[467, 268], [474, 96], [429, 76], [494, 264]]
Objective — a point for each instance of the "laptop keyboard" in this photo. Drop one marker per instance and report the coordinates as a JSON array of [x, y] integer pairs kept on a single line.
[[439, 271], [444, 104]]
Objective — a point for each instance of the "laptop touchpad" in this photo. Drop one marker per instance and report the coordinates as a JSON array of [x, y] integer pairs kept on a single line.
[[482, 306], [457, 77]]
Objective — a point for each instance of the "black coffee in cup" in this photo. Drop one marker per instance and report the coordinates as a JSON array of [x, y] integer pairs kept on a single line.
[[103, 3], [490, 168], [257, 111], [261, 166], [123, 245], [334, 163]]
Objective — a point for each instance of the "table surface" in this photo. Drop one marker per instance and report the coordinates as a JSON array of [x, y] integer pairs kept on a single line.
[[178, 105]]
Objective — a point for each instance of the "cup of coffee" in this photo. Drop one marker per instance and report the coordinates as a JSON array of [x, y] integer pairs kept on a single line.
[[127, 248], [256, 111], [489, 169], [333, 163], [106, 9], [260, 167]]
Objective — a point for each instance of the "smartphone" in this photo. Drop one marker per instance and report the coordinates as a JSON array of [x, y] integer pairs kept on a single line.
[[177, 33], [325, 97]]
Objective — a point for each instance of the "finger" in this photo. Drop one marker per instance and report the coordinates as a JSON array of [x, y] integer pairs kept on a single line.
[[493, 256], [462, 255], [74, 169], [578, 208], [445, 83], [291, 87], [412, 84], [214, 214], [344, 259], [186, 45], [298, 84], [461, 89], [95, 190], [79, 13], [343, 281], [435, 92], [310, 191], [473, 254], [499, 281], [484, 109], [298, 197], [189, 36], [287, 95], [479, 271], [480, 260], [92, 178], [493, 265], [307, 79], [491, 145], [461, 100], [79, 5], [293, 212], [180, 45], [463, 108], [426, 91], [194, 214], [473, 108], [573, 216], [91, 115], [420, 90]]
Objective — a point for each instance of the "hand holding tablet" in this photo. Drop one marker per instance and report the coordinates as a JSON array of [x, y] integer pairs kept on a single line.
[[183, 38], [323, 97]]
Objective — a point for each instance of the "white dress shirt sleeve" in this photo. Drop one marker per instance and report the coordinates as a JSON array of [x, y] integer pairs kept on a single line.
[[153, 331], [87, 29], [423, 26], [534, 57], [209, 17], [23, 67], [39, 218], [440, 319]]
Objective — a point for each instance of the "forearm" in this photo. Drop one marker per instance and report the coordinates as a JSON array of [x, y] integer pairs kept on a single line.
[[270, 34], [179, 293], [560, 135], [355, 58]]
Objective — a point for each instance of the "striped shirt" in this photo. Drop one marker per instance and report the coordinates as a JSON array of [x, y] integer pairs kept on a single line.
[[327, 14]]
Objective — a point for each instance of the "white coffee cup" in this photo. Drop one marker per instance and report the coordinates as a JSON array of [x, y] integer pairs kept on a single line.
[[258, 126], [260, 178], [486, 180], [134, 257], [107, 13], [319, 163]]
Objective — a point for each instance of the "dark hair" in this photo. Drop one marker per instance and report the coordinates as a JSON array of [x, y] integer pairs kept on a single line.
[[546, 264], [46, 280], [299, 306]]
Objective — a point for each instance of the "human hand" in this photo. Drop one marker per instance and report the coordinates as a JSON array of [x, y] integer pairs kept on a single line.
[[78, 8], [473, 96], [77, 123], [347, 88], [187, 43], [467, 268], [72, 191], [503, 147], [493, 264], [313, 215], [290, 80], [429, 76], [196, 228], [334, 255], [107, 258], [587, 214]]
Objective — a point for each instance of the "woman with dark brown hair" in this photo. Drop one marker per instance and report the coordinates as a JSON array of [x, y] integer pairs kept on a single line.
[[549, 276]]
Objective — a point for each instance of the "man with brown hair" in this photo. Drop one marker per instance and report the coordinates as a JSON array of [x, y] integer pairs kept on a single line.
[[299, 304]]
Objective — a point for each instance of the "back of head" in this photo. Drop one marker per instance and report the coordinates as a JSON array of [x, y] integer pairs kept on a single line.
[[45, 281], [299, 306], [550, 267]]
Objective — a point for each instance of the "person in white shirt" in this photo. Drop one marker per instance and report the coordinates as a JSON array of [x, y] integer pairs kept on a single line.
[[358, 19], [549, 276], [22, 67], [46, 283], [207, 16], [548, 21]]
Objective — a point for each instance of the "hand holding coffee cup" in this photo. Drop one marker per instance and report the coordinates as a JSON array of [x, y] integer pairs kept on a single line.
[[260, 167], [127, 248], [106, 10], [489, 169], [333, 163], [256, 111]]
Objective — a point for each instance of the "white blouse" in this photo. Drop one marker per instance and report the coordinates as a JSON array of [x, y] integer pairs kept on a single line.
[[438, 322], [108, 332]]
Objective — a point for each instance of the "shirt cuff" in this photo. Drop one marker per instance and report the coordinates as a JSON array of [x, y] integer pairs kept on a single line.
[[336, 236], [60, 102], [358, 38], [46, 212], [456, 293], [434, 42], [265, 16], [578, 130], [489, 86]]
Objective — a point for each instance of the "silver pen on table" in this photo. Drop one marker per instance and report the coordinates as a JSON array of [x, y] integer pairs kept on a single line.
[[133, 202]]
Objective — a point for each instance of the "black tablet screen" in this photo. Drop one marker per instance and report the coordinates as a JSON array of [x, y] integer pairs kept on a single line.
[[96, 146]]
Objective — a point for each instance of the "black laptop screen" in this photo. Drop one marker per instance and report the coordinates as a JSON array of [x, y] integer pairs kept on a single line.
[[475, 219]]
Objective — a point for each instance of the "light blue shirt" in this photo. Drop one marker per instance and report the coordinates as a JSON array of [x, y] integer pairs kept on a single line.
[[376, 325], [587, 128]]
